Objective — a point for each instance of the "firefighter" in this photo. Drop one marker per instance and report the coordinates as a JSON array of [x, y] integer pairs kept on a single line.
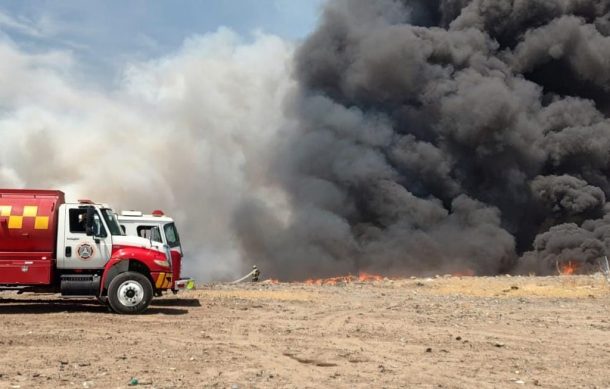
[[82, 222], [255, 273]]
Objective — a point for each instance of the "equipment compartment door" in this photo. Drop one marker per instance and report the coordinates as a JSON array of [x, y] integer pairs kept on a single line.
[[82, 251], [26, 268]]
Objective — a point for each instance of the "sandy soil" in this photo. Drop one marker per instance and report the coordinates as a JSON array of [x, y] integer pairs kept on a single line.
[[443, 332]]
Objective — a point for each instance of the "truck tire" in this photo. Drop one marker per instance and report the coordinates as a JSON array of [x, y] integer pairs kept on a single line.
[[130, 293]]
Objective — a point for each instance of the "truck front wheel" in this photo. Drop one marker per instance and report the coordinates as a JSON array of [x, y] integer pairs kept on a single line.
[[130, 293]]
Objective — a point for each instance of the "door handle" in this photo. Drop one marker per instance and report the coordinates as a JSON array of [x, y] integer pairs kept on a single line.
[[68, 251], [72, 238]]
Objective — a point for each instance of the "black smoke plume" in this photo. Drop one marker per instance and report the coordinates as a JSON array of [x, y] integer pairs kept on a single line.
[[438, 136]]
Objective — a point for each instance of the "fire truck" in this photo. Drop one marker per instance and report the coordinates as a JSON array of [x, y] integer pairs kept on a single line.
[[161, 231], [77, 249]]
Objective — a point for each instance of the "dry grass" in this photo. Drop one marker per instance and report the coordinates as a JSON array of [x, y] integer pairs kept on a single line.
[[571, 287], [511, 287]]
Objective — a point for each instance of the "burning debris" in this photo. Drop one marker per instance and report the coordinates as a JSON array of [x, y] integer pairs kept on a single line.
[[568, 268], [254, 275], [435, 136], [362, 277]]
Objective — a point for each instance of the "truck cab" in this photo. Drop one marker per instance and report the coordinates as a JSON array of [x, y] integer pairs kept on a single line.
[[161, 231]]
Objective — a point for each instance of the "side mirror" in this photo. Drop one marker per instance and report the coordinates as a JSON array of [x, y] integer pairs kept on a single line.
[[90, 226]]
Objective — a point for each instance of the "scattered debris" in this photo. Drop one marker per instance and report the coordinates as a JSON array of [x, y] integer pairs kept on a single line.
[[310, 361]]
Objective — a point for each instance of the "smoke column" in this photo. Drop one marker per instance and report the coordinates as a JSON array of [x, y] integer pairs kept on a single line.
[[402, 137], [186, 133], [438, 136]]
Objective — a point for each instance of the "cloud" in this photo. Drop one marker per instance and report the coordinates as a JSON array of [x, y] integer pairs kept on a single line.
[[21, 25]]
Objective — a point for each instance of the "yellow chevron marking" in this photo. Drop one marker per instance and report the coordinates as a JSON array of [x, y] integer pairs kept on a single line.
[[15, 222], [30, 210], [5, 210], [160, 280], [41, 223]]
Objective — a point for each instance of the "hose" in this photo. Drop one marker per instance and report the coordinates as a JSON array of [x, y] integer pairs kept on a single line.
[[255, 273]]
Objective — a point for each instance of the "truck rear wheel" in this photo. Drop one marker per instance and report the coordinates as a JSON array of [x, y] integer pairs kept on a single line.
[[130, 293]]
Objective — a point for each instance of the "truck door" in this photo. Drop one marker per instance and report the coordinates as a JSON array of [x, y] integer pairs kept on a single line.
[[80, 250]]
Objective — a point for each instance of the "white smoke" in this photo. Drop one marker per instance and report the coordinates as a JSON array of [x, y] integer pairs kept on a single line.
[[188, 133]]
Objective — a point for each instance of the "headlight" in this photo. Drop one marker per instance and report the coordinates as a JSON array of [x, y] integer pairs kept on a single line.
[[163, 263]]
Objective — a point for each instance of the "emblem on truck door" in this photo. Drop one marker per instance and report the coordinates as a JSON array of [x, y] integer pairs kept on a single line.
[[85, 251]]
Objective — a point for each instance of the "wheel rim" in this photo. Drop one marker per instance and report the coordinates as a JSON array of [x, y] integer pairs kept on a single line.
[[130, 293]]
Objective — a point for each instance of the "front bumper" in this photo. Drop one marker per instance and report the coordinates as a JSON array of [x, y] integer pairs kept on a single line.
[[184, 284]]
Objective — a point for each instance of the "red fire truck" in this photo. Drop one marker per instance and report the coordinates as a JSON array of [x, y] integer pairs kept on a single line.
[[79, 249]]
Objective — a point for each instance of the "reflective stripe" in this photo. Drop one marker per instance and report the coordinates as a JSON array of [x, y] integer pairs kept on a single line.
[[5, 210], [30, 210], [160, 280], [15, 222], [41, 223]]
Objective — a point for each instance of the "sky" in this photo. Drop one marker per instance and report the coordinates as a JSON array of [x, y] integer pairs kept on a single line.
[[104, 35]]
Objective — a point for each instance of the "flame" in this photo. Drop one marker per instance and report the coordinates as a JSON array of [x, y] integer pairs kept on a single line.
[[464, 273], [362, 277], [568, 268]]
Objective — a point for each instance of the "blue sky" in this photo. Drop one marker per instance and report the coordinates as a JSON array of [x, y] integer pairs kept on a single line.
[[104, 35]]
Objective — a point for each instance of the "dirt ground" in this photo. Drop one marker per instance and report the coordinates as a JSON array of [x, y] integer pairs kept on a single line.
[[448, 332]]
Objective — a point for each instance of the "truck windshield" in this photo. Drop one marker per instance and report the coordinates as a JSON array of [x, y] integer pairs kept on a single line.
[[112, 222], [171, 234]]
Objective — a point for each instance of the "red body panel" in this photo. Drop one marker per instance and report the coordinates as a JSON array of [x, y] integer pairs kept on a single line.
[[143, 255], [176, 265], [28, 235], [26, 268]]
